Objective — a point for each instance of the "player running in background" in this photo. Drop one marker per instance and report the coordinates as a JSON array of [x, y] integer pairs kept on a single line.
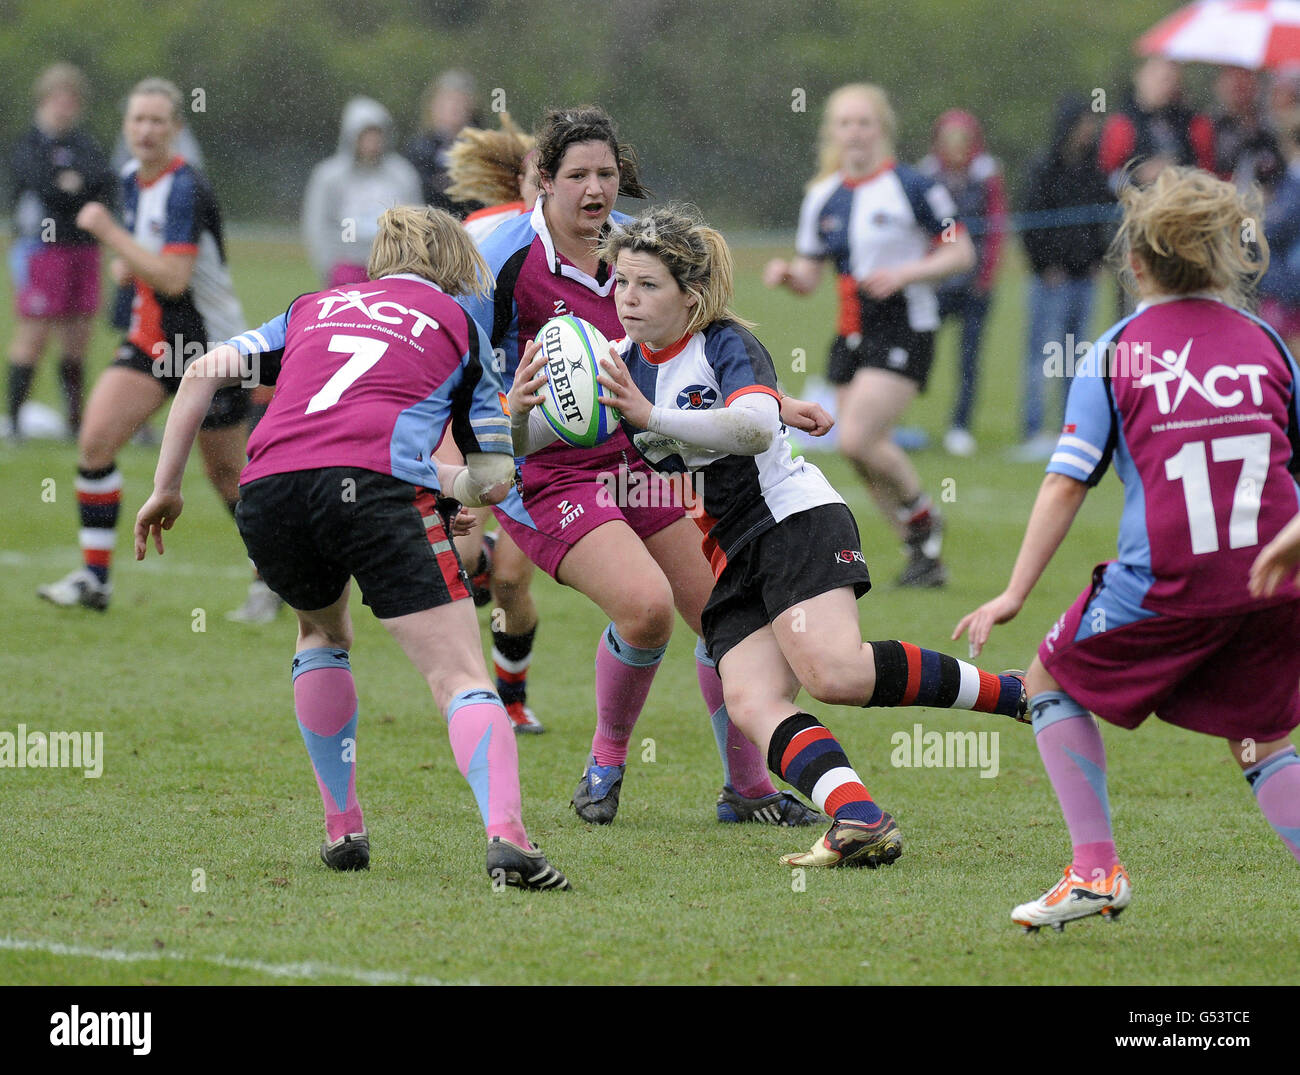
[[892, 234], [1194, 400], [341, 484], [698, 394], [56, 168], [635, 561], [173, 247]]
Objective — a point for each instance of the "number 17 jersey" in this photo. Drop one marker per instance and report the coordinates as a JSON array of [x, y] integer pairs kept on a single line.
[[369, 376], [1195, 402]]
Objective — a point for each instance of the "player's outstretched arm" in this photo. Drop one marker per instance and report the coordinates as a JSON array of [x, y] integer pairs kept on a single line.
[[1277, 561], [167, 273], [1058, 502], [943, 260], [802, 275], [812, 418], [214, 370]]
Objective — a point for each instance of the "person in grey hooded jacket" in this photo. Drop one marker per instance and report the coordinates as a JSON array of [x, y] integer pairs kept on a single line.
[[348, 191]]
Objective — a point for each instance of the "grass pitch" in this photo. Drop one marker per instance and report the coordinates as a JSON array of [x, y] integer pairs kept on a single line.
[[192, 859]]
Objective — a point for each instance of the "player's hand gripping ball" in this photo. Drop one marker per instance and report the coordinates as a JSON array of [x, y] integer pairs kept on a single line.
[[572, 348]]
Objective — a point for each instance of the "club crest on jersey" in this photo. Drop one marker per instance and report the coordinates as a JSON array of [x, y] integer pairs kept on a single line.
[[848, 556], [697, 397], [1172, 366]]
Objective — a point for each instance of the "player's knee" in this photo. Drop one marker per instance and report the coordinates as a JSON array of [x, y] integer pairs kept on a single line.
[[744, 703], [645, 616], [311, 635], [835, 679], [94, 451], [510, 578], [223, 480]]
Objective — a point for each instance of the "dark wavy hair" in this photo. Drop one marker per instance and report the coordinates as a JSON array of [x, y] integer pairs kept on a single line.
[[563, 127]]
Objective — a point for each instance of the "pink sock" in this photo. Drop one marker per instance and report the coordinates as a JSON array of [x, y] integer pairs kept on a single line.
[[483, 741], [1276, 782], [749, 774], [743, 765], [325, 701], [1069, 742], [623, 677]]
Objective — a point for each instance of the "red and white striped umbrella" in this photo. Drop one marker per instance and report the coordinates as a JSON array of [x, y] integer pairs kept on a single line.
[[1236, 33]]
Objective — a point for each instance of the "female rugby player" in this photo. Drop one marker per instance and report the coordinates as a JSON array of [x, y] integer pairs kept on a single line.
[[892, 233], [341, 483], [699, 393], [1194, 401]]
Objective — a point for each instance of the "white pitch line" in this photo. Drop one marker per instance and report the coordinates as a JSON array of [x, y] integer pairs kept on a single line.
[[307, 971], [8, 558]]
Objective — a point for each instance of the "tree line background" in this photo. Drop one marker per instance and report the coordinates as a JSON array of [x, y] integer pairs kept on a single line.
[[722, 100]]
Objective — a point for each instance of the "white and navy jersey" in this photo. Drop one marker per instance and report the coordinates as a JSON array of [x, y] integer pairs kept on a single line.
[[177, 213], [738, 497], [885, 219]]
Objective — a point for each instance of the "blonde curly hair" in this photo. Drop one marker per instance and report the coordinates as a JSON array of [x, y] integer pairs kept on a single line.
[[1192, 232], [486, 166]]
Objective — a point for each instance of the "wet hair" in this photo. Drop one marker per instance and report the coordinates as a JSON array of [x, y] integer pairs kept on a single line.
[[828, 153], [562, 128], [1192, 232], [431, 244], [695, 255], [486, 166], [164, 88], [60, 76]]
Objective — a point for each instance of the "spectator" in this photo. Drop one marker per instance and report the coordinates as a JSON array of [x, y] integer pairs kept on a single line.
[[348, 191], [56, 168], [450, 105], [1064, 185], [1154, 129], [957, 160], [1279, 288], [1246, 151]]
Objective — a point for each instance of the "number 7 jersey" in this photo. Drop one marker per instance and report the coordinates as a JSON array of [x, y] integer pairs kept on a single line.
[[1195, 402], [369, 376]]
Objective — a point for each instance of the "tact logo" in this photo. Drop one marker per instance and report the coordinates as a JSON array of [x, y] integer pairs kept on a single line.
[[1173, 367]]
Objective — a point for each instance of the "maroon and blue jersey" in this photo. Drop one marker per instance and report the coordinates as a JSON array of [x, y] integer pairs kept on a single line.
[[530, 284], [370, 376], [1195, 404]]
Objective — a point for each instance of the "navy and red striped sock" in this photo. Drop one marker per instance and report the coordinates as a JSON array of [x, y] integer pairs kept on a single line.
[[803, 753], [511, 656], [909, 675], [99, 499]]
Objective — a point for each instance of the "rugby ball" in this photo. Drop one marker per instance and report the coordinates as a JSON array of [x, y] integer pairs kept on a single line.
[[573, 349]]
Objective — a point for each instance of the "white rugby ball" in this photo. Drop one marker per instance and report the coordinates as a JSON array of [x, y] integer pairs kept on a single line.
[[573, 349]]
